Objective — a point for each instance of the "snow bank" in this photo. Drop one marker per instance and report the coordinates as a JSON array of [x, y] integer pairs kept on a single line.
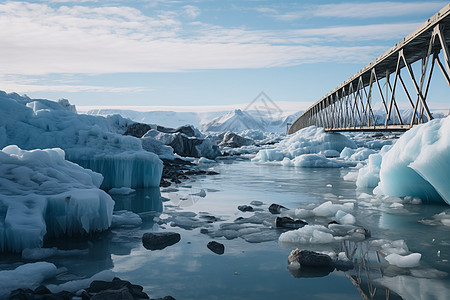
[[93, 142], [41, 194], [25, 276], [418, 164], [309, 140]]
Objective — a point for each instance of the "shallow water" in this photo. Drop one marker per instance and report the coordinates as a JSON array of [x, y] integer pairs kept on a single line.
[[189, 270]]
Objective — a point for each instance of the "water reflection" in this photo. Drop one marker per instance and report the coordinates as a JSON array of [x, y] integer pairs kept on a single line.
[[141, 201]]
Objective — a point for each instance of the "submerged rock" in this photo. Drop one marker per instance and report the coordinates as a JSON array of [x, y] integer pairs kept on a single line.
[[245, 208], [216, 247], [160, 240], [276, 208], [287, 222]]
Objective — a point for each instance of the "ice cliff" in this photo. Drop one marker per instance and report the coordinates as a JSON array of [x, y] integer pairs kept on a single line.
[[93, 142], [42, 194]]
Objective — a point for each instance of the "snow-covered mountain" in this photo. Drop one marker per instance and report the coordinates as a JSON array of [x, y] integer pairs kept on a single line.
[[238, 121]]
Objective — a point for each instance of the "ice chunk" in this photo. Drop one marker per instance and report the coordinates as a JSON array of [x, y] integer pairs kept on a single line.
[[344, 217], [407, 261], [319, 161], [309, 140], [121, 191], [125, 218], [327, 209], [25, 276], [418, 164], [309, 234], [359, 154], [43, 194], [152, 145]]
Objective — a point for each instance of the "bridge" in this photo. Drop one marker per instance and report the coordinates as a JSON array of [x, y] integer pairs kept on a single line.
[[371, 100]]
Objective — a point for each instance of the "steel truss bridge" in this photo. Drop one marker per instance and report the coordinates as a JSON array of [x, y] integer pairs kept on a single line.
[[370, 100]]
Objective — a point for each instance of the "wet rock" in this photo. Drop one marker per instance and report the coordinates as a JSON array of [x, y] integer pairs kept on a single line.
[[137, 129], [343, 265], [165, 298], [245, 208], [216, 247], [287, 222], [42, 290], [160, 240], [310, 259], [276, 208]]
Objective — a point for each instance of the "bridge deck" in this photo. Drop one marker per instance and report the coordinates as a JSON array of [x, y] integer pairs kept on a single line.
[[414, 47]]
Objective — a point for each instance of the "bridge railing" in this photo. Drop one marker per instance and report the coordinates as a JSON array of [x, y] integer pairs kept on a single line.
[[371, 99]]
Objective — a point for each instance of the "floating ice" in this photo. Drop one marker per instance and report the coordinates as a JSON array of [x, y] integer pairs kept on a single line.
[[407, 261], [418, 164], [309, 234], [125, 218], [359, 154], [121, 191], [305, 141], [328, 209], [25, 276], [43, 194]]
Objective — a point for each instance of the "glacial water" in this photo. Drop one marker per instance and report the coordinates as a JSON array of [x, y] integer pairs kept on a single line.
[[258, 270]]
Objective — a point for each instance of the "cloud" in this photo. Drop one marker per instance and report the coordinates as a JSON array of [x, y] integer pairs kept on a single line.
[[355, 10], [41, 39], [191, 11]]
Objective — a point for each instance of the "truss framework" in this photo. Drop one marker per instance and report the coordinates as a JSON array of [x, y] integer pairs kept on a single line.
[[350, 107]]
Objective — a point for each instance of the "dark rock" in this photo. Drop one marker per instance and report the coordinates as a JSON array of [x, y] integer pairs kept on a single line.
[[160, 240], [245, 208], [21, 294], [165, 298], [186, 129], [204, 231], [187, 146], [42, 290], [276, 208], [333, 222], [232, 140], [308, 272], [286, 222], [308, 258], [216, 247], [137, 129]]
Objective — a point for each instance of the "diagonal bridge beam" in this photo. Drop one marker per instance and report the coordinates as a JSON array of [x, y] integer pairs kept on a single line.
[[352, 106]]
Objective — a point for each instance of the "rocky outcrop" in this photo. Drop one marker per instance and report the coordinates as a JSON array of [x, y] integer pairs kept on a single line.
[[232, 140], [137, 129], [98, 290], [310, 259]]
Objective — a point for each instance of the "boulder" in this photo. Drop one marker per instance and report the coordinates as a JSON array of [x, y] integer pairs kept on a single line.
[[286, 222], [159, 240], [216, 247], [310, 259], [245, 208], [276, 208]]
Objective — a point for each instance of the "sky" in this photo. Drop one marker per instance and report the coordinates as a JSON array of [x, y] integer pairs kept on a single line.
[[175, 53]]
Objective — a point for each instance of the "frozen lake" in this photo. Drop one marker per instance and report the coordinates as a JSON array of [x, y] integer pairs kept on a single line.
[[259, 269]]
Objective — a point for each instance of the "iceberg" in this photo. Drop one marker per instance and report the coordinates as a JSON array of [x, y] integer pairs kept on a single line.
[[418, 164], [44, 195], [93, 142]]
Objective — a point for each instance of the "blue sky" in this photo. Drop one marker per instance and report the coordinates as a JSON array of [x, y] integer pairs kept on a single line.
[[204, 52]]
